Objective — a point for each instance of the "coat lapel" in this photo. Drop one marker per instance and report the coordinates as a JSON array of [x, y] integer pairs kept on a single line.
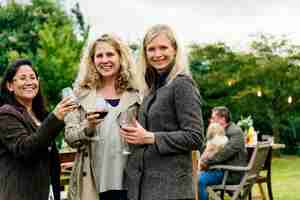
[[127, 99], [148, 101], [88, 100]]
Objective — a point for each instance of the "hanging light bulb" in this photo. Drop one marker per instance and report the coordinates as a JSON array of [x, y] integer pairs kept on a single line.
[[290, 99], [259, 93], [231, 82]]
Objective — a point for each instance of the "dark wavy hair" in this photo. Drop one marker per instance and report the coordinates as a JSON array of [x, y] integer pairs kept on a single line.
[[7, 97]]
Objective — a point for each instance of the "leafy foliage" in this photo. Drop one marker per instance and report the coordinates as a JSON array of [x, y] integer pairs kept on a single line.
[[58, 58], [44, 33], [256, 83], [245, 123]]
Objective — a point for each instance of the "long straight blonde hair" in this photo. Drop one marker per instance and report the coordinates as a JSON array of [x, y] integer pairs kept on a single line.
[[180, 62]]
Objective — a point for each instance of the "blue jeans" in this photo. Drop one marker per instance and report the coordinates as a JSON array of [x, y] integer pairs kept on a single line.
[[207, 178]]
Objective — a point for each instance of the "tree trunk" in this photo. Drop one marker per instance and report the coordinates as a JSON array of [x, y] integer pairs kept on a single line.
[[276, 133]]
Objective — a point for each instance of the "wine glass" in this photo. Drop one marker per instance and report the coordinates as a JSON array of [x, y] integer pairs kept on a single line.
[[123, 122], [68, 92], [102, 107], [127, 118]]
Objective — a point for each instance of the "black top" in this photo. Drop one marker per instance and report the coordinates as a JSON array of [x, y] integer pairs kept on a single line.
[[113, 102]]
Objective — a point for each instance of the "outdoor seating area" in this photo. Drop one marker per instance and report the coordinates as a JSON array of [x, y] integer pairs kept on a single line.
[[258, 172], [261, 173], [251, 172]]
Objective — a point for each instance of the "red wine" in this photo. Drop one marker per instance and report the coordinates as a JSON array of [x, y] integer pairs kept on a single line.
[[101, 114]]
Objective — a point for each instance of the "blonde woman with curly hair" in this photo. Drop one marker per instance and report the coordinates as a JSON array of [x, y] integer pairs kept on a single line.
[[170, 123], [107, 73]]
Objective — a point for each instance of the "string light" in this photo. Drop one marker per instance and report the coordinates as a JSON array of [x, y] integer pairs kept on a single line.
[[290, 99], [231, 82], [259, 93]]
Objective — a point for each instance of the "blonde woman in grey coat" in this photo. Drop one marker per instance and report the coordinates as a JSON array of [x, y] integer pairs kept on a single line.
[[106, 72], [170, 123]]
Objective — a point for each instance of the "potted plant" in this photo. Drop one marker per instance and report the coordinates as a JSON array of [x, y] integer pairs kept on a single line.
[[245, 123]]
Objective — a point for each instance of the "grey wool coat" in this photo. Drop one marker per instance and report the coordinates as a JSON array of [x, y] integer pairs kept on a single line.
[[28, 161], [163, 170]]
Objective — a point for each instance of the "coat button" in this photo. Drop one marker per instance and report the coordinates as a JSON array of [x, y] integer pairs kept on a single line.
[[83, 173]]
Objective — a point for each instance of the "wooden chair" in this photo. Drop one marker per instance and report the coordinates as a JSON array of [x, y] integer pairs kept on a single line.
[[251, 172], [266, 177], [261, 179]]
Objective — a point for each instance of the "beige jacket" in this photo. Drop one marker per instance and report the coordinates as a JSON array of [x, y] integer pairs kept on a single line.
[[98, 152]]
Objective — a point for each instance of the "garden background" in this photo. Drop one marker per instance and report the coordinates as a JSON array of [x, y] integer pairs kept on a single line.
[[262, 82]]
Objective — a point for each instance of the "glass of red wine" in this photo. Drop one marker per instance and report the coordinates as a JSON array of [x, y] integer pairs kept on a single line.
[[102, 107]]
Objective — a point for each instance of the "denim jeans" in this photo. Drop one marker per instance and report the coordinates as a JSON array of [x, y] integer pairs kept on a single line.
[[207, 178]]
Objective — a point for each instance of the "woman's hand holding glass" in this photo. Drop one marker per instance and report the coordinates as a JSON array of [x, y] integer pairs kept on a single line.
[[126, 118], [93, 119], [68, 92], [97, 116], [65, 105], [137, 134]]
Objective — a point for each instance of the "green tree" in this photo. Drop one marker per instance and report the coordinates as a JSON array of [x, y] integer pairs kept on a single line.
[[216, 68], [57, 58], [276, 76], [256, 83], [44, 33]]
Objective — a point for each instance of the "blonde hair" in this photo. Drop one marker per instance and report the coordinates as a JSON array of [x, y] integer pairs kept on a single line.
[[216, 140], [180, 61], [214, 129], [89, 78]]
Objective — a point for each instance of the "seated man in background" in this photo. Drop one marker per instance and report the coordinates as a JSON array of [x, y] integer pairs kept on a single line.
[[233, 153], [216, 140]]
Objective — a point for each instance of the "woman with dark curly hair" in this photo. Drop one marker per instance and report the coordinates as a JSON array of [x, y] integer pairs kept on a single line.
[[28, 156], [106, 73]]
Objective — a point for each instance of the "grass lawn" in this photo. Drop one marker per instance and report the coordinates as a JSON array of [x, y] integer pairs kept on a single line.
[[285, 178]]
